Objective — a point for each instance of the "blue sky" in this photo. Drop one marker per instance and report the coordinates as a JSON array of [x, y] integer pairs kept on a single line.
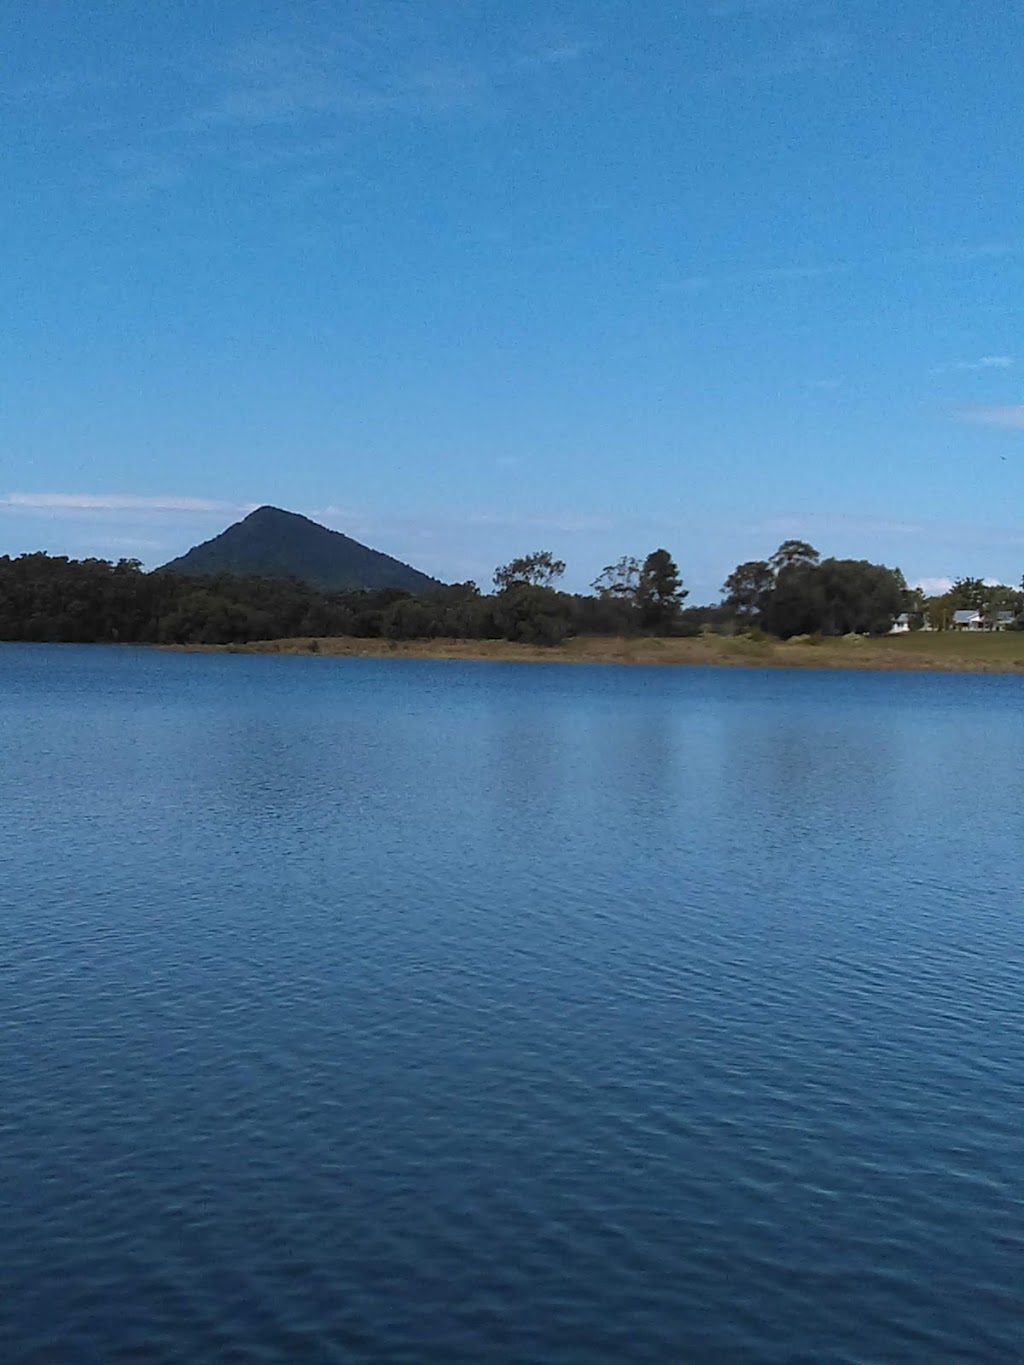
[[466, 279]]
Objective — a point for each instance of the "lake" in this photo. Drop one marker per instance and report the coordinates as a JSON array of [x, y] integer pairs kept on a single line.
[[362, 1010]]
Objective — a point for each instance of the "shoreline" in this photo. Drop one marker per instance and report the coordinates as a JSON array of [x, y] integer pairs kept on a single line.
[[931, 652]]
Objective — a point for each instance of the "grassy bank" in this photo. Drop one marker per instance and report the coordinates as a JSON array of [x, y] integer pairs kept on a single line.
[[950, 652]]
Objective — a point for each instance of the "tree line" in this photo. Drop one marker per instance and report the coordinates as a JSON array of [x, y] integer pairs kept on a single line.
[[52, 598]]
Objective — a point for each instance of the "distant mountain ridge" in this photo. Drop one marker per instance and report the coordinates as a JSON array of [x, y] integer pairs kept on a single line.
[[278, 544]]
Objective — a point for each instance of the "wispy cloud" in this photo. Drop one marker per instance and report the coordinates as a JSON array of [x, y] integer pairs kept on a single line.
[[985, 362], [689, 284], [279, 83], [467, 543], [795, 273], [406, 67], [957, 251], [117, 502], [941, 583], [53, 89], [814, 53], [132, 543], [1011, 416], [895, 536], [296, 94], [565, 523], [139, 174], [722, 9], [551, 55], [819, 524], [799, 272], [934, 586], [291, 103]]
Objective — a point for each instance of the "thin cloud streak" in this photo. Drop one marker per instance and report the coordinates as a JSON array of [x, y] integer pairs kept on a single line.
[[306, 95], [116, 502], [826, 523], [1010, 417], [59, 87], [430, 524], [723, 9], [361, 72], [983, 251], [797, 273], [985, 362], [777, 274], [814, 54]]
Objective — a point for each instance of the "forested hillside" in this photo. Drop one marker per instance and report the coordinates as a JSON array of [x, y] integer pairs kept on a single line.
[[271, 543]]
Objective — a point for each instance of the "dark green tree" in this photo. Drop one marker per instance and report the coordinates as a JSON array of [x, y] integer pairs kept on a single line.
[[462, 612], [746, 590], [660, 592], [791, 553], [538, 570], [532, 615], [834, 597], [858, 597], [410, 618], [999, 599], [969, 594]]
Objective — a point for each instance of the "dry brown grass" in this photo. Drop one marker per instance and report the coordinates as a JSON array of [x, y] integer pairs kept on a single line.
[[943, 652]]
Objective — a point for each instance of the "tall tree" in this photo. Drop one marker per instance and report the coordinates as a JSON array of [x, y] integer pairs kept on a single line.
[[794, 605], [660, 591], [793, 552], [969, 594], [538, 570], [620, 580], [746, 589]]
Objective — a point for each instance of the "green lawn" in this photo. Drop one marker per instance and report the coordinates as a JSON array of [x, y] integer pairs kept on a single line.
[[993, 646]]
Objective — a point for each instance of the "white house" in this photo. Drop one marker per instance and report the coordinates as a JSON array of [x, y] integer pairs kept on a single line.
[[977, 620]]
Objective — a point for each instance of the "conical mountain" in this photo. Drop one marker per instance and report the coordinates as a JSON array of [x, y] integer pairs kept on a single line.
[[279, 544]]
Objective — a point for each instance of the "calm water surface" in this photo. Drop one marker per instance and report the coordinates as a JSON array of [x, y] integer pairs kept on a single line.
[[431, 1012]]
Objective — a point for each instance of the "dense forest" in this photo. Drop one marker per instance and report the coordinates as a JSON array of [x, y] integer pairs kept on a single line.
[[51, 598], [46, 597]]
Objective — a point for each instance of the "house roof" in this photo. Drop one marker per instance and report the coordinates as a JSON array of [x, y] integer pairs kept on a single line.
[[961, 618], [903, 618]]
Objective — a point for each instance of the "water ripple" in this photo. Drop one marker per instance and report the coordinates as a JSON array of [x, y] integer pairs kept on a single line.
[[357, 1011]]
